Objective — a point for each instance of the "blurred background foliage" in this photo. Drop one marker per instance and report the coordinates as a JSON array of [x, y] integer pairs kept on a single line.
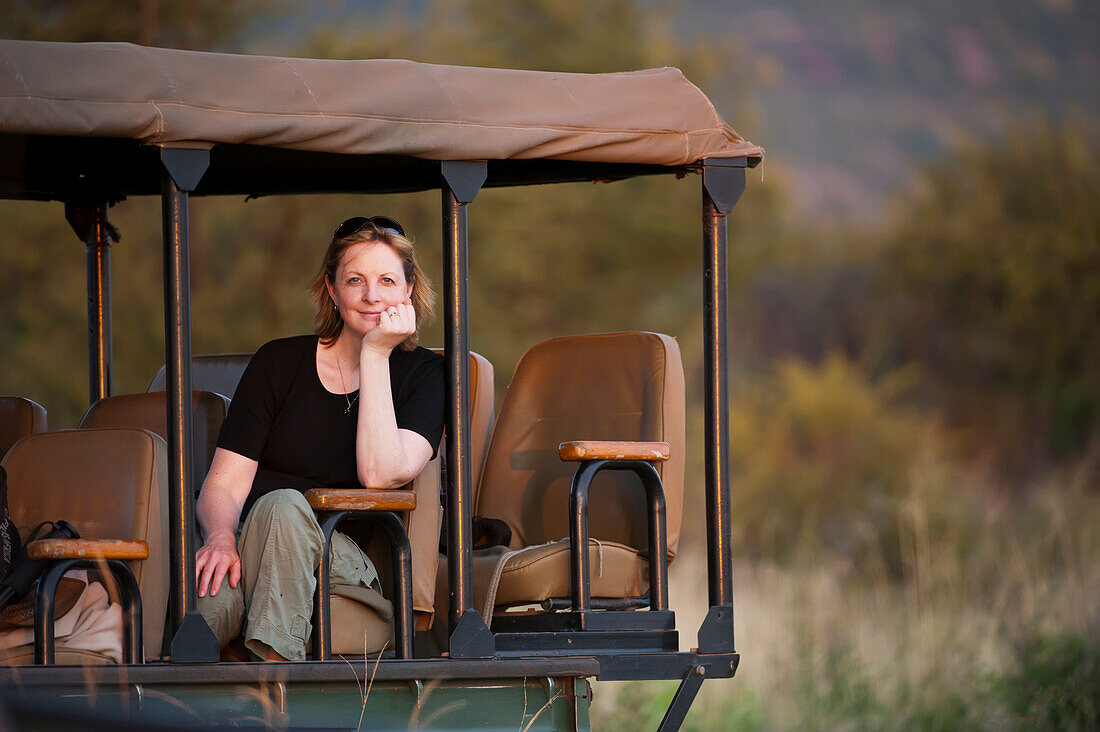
[[914, 293]]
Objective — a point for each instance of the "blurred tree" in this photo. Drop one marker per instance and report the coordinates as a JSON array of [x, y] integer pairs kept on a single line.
[[823, 457], [623, 257], [190, 24], [992, 279], [562, 35]]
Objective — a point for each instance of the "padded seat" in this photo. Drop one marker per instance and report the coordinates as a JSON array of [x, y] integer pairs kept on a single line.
[[356, 628], [149, 411], [19, 417], [482, 396], [109, 484], [24, 656], [617, 386], [537, 573], [217, 372]]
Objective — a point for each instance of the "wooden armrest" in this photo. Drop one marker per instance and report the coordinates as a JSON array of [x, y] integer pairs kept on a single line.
[[360, 499], [87, 549], [580, 450]]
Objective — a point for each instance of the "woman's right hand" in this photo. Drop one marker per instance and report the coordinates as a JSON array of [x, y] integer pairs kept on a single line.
[[214, 561], [218, 510]]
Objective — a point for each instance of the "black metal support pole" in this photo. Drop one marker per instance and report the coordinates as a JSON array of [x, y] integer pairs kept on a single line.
[[716, 359], [457, 348], [322, 605], [91, 224], [681, 701], [128, 595], [192, 638], [177, 341], [99, 306], [470, 637], [579, 571], [723, 182], [401, 554]]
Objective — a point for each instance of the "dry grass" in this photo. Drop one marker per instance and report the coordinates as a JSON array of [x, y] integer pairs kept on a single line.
[[828, 642]]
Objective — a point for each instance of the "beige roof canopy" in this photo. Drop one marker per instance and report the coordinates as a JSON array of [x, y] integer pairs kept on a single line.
[[391, 107]]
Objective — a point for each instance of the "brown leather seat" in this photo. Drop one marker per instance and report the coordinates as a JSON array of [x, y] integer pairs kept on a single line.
[[19, 417], [482, 396], [356, 629], [109, 484], [217, 372], [149, 411], [617, 386]]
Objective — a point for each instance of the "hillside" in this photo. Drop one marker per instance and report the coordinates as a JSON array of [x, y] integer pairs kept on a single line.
[[848, 96]]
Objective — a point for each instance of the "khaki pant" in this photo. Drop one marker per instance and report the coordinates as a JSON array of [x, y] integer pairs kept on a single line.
[[280, 549]]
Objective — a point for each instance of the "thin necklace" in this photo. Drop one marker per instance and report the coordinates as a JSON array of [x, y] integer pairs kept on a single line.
[[344, 386]]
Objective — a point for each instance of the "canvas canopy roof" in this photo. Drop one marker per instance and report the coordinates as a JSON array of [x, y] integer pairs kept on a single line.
[[609, 125]]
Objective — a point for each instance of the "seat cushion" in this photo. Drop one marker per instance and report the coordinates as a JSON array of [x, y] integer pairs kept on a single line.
[[357, 630], [24, 656], [505, 577]]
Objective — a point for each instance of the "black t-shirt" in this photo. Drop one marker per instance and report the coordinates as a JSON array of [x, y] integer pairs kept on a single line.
[[282, 417]]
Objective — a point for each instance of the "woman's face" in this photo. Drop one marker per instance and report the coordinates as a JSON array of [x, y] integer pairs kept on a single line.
[[369, 280]]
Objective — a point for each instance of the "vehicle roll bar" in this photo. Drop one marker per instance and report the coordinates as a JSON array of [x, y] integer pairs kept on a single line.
[[460, 182], [192, 639], [723, 184], [91, 223]]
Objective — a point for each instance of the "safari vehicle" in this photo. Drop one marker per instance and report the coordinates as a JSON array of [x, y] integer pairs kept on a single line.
[[93, 124]]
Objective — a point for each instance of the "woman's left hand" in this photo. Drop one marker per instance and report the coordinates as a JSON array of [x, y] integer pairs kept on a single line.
[[395, 324]]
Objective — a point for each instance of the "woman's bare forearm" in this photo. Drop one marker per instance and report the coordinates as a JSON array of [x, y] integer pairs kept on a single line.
[[386, 457], [224, 491]]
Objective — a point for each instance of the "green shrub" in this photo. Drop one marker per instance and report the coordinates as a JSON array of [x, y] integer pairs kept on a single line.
[[723, 704], [1056, 685], [823, 458], [990, 282]]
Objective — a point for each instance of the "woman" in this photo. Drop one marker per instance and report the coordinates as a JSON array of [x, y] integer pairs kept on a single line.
[[357, 404]]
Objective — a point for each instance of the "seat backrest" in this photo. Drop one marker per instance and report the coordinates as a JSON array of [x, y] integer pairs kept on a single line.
[[19, 417], [615, 386], [217, 372], [149, 411], [422, 525], [109, 484], [481, 413]]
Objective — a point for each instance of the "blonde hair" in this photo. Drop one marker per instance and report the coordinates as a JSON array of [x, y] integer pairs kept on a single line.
[[328, 324]]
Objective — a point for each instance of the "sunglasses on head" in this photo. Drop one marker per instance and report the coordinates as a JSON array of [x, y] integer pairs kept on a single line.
[[357, 223]]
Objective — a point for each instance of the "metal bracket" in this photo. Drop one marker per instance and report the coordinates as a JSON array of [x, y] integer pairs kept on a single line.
[[549, 687], [716, 631], [681, 702], [724, 182], [186, 165], [194, 642], [471, 637], [465, 177], [85, 217], [417, 687], [582, 700]]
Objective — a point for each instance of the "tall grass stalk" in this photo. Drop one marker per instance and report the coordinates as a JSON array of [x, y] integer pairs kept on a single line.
[[958, 639]]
